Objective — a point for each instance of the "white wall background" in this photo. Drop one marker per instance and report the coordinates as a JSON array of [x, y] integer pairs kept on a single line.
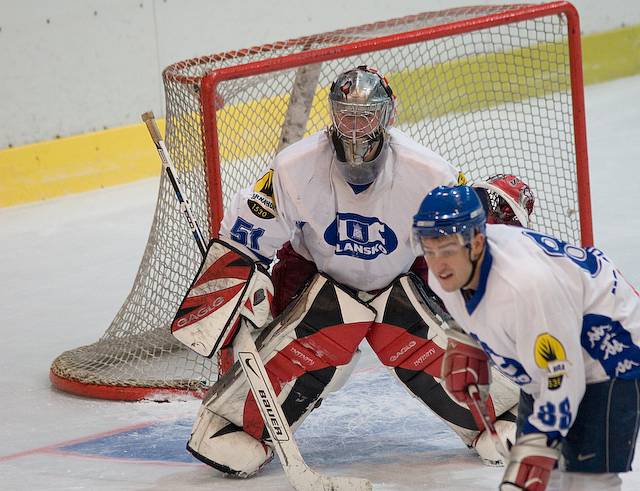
[[73, 66]]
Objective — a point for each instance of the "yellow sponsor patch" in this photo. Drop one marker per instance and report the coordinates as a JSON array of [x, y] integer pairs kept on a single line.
[[550, 355], [262, 202], [462, 179]]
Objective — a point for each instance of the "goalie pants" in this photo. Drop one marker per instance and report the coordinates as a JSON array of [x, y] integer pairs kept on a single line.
[[292, 272], [309, 352]]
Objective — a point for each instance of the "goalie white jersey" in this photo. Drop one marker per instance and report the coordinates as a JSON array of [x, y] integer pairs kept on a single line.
[[362, 240], [553, 317]]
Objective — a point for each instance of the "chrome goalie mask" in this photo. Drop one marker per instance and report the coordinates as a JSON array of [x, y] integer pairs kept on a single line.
[[362, 107]]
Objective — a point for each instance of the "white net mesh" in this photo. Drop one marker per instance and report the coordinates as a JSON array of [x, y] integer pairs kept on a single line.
[[491, 97]]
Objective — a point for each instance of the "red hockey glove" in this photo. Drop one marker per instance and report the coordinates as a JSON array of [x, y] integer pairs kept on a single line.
[[465, 364], [530, 464]]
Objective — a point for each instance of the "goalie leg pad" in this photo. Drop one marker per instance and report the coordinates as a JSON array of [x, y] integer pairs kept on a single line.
[[224, 446], [310, 349], [410, 340], [308, 352]]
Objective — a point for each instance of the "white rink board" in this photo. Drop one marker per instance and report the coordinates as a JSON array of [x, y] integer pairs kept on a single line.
[[78, 66]]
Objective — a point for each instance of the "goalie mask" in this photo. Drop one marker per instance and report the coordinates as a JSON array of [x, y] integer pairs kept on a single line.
[[506, 199], [362, 107]]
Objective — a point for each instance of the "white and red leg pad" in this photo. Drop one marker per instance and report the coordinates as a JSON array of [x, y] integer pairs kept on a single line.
[[410, 340], [308, 353], [224, 446]]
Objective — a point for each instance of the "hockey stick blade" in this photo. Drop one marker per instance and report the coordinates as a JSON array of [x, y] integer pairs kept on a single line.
[[307, 479], [298, 473], [474, 398]]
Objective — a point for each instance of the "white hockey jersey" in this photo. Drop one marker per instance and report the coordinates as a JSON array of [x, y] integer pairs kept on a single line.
[[361, 240], [553, 317]]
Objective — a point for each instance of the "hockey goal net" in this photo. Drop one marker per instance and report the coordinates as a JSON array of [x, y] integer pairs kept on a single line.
[[494, 89]]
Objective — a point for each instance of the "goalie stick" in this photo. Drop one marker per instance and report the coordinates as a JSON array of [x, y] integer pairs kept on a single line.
[[150, 120], [299, 474]]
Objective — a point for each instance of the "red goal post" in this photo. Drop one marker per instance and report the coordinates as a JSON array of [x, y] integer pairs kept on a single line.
[[494, 89]]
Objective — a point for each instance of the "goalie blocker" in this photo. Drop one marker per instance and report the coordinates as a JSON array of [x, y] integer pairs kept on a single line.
[[310, 350], [229, 284]]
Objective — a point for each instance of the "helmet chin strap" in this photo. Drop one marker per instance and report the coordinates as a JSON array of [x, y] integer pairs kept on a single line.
[[474, 266]]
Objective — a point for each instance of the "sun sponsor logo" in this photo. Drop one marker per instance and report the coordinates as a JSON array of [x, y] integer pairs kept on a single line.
[[549, 354], [262, 201]]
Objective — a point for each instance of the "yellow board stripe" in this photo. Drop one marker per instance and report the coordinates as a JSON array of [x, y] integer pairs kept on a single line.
[[77, 163], [115, 156], [611, 55]]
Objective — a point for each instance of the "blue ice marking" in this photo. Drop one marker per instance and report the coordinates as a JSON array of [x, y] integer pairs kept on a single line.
[[157, 442]]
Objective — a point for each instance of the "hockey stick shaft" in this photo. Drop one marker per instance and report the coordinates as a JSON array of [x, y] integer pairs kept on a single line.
[[300, 476], [169, 168], [476, 401], [298, 473]]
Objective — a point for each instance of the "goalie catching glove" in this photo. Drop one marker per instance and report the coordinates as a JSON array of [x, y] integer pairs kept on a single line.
[[229, 284]]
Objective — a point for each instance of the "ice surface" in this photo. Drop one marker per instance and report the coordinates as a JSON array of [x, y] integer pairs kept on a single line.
[[67, 264]]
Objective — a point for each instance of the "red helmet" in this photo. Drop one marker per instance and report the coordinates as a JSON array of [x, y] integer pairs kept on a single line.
[[507, 199]]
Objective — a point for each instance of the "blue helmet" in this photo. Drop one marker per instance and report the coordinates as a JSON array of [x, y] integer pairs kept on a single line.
[[450, 210]]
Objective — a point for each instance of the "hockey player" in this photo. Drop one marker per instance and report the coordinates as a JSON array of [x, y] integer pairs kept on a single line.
[[337, 207], [559, 320]]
